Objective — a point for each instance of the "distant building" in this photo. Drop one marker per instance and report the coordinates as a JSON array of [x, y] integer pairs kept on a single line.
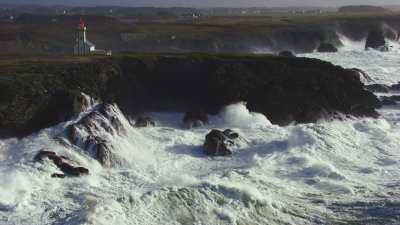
[[83, 46], [190, 16]]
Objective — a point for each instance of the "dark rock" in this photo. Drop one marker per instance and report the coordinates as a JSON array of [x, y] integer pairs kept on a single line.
[[58, 175], [85, 133], [145, 122], [62, 163], [231, 134], [74, 171], [117, 124], [326, 47], [62, 106], [379, 88], [283, 89], [81, 103], [218, 142], [195, 118], [376, 40], [113, 120], [287, 54], [103, 154], [363, 75], [43, 155], [73, 134]]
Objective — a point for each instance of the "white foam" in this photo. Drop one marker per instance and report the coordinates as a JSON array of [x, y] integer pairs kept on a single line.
[[238, 116], [14, 188], [349, 44]]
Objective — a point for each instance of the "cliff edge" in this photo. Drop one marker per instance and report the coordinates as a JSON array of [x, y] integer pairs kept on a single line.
[[38, 93]]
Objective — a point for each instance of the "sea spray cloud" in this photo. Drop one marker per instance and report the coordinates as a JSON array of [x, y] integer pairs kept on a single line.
[[237, 115]]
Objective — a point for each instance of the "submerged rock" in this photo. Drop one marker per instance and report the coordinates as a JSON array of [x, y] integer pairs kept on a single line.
[[195, 118], [219, 143], [376, 40], [63, 163], [145, 122], [287, 54], [326, 47]]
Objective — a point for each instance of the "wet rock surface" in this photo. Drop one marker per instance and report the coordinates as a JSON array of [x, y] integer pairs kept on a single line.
[[93, 133], [63, 163], [219, 143], [363, 75]]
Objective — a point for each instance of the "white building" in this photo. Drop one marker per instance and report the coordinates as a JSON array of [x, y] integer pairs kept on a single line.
[[83, 46]]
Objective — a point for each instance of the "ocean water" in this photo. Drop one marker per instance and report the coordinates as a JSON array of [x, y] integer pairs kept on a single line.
[[337, 172]]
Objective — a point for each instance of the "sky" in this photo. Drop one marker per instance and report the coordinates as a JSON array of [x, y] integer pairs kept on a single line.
[[207, 3]]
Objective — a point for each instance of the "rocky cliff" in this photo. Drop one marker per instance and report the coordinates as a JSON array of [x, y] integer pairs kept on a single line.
[[35, 95]]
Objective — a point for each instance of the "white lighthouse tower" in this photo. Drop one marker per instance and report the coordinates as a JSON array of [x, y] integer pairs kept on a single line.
[[82, 45]]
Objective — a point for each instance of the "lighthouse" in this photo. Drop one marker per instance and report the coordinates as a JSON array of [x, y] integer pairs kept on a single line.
[[82, 45]]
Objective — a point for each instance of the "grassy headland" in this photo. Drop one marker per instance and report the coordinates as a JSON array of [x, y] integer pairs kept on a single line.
[[54, 35]]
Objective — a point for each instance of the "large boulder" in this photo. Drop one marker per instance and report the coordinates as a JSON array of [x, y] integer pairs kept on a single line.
[[376, 40], [63, 163], [219, 143], [326, 47], [94, 132]]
